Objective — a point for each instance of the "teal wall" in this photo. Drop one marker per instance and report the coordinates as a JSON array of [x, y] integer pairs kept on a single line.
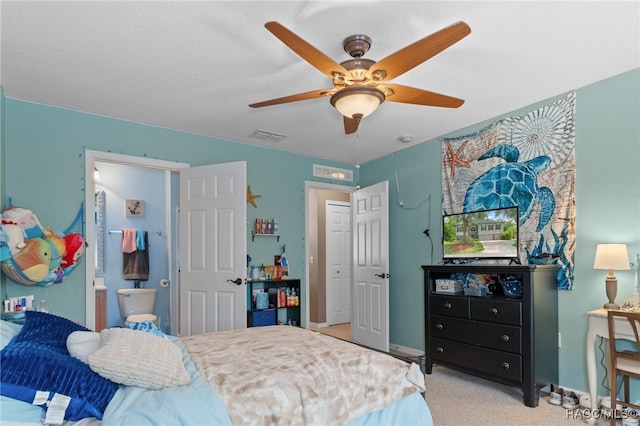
[[2, 98], [44, 167], [607, 210], [2, 173]]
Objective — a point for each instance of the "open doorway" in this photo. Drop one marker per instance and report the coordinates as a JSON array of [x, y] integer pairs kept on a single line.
[[370, 260], [96, 157], [316, 196]]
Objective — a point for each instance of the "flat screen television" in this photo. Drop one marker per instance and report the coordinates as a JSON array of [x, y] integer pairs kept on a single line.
[[484, 234]]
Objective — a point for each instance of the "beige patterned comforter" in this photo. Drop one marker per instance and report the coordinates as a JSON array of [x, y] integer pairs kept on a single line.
[[292, 376]]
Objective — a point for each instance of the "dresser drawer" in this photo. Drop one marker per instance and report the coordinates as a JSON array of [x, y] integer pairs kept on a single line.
[[501, 337], [450, 305], [499, 311], [461, 330], [483, 360]]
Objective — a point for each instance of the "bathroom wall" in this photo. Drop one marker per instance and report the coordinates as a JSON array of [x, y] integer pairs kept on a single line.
[[121, 183]]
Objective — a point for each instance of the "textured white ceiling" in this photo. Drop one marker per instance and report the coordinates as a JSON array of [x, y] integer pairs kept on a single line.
[[196, 66]]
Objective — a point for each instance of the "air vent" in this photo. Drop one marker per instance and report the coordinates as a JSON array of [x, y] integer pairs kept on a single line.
[[267, 136], [332, 173]]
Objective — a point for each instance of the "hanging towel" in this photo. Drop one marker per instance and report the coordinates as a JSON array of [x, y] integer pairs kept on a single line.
[[135, 265], [128, 240], [140, 244]]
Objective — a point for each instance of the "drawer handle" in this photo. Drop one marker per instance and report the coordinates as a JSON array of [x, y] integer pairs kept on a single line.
[[505, 337], [439, 326], [447, 305], [493, 311], [505, 365], [439, 349]]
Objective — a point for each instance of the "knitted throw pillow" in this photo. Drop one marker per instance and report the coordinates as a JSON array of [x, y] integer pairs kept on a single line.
[[137, 358]]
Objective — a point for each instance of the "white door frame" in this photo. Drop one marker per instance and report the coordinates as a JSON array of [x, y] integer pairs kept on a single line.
[[308, 186], [91, 157]]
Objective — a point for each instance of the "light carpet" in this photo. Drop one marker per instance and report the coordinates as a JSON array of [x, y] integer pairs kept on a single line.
[[456, 398]]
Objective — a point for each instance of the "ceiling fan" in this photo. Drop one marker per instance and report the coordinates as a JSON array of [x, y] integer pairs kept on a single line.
[[360, 84]]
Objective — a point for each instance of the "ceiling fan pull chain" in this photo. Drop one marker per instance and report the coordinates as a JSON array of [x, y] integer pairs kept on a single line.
[[357, 159]]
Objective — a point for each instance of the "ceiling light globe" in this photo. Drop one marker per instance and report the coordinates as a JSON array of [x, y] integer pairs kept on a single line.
[[357, 101]]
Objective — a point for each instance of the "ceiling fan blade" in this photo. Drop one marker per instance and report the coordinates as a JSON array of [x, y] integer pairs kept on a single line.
[[411, 95], [294, 98], [319, 60], [416, 53], [350, 125]]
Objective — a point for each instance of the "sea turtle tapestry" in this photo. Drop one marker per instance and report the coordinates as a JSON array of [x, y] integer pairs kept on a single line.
[[526, 161]]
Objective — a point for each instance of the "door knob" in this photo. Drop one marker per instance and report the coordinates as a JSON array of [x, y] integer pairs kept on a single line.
[[383, 275], [237, 281]]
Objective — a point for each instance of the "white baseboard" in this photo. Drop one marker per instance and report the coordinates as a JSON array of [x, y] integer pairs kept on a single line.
[[405, 350], [318, 325]]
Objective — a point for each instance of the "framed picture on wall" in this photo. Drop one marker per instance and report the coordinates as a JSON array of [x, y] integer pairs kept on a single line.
[[135, 208]]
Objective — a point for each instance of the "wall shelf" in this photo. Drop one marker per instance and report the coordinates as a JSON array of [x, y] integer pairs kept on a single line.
[[254, 235]]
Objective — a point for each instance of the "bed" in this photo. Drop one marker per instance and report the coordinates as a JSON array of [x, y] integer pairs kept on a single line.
[[267, 375]]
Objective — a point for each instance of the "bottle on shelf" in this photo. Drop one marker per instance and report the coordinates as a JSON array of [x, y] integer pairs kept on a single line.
[[284, 262]]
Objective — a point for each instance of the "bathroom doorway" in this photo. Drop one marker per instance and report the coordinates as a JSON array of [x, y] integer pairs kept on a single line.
[[166, 175]]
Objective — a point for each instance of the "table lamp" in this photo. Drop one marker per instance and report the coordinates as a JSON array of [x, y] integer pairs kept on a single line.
[[610, 257]]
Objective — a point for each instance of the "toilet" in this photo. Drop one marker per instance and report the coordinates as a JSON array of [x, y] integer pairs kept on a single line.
[[136, 305]]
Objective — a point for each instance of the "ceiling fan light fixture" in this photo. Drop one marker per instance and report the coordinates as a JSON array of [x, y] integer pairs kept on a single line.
[[357, 101]]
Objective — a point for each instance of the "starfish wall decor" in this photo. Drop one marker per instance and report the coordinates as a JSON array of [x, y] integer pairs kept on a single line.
[[251, 198], [454, 158]]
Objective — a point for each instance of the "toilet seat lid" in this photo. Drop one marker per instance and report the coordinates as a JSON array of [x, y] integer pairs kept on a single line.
[[142, 317]]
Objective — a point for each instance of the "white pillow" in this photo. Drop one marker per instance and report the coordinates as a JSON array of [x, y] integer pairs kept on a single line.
[[7, 331], [135, 358], [81, 344]]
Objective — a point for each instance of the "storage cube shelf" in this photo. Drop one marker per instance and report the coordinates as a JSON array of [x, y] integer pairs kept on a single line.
[[276, 307]]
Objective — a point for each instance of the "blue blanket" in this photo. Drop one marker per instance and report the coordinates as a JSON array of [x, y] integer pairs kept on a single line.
[[196, 404]]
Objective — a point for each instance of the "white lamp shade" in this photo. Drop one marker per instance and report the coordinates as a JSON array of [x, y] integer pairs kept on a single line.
[[357, 101], [611, 256]]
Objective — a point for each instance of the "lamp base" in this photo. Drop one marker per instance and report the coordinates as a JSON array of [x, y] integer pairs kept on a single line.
[[611, 284]]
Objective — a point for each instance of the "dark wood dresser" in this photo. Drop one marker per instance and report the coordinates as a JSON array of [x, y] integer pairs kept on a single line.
[[507, 339]]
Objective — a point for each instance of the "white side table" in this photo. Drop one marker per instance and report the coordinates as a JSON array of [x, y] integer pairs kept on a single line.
[[598, 326]]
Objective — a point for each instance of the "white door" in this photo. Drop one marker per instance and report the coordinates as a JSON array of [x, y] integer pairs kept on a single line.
[[213, 248], [370, 215], [338, 258]]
